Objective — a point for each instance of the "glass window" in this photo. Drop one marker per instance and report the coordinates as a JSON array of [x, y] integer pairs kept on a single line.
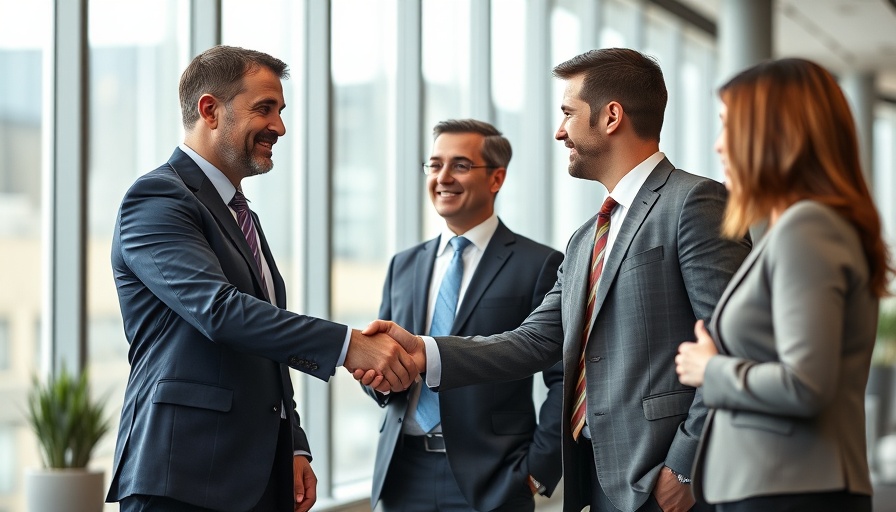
[[446, 77], [883, 183], [363, 38], [5, 347], [620, 24], [8, 467], [662, 42], [695, 88], [508, 77], [135, 124], [575, 200], [23, 48]]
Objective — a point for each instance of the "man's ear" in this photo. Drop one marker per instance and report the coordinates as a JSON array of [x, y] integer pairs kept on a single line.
[[615, 113], [208, 110], [497, 179]]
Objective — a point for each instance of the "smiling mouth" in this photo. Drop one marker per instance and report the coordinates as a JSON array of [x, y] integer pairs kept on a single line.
[[444, 193]]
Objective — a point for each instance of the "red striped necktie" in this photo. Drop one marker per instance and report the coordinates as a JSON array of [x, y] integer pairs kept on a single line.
[[601, 235]]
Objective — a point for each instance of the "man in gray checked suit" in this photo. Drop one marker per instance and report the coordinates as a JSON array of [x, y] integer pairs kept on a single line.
[[664, 266]]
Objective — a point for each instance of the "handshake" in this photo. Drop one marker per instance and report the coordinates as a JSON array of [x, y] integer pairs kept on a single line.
[[385, 356]]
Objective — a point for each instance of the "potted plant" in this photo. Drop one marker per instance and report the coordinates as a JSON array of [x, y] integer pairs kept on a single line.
[[68, 425]]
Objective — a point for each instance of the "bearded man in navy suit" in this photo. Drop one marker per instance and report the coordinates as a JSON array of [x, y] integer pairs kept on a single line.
[[208, 420]]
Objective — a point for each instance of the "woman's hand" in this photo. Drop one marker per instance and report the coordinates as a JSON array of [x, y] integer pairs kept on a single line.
[[690, 363]]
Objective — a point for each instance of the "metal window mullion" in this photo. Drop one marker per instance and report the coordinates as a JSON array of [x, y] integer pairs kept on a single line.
[[535, 151], [317, 224], [481, 106], [64, 320], [408, 183], [205, 25]]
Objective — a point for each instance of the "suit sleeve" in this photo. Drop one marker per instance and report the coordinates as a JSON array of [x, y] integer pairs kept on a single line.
[[708, 261], [163, 242], [534, 346], [544, 456], [808, 264]]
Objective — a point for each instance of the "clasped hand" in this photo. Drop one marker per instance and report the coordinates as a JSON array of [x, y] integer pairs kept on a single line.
[[385, 357]]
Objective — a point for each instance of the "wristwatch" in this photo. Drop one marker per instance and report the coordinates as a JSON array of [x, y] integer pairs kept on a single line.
[[681, 478], [538, 485]]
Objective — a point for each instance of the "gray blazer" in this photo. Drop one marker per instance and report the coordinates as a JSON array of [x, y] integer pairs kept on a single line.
[[796, 327], [667, 268], [492, 437]]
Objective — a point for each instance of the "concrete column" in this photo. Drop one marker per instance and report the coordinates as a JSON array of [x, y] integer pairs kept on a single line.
[[860, 91], [745, 35]]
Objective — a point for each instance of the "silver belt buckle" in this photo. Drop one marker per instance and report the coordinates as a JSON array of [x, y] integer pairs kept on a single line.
[[434, 443]]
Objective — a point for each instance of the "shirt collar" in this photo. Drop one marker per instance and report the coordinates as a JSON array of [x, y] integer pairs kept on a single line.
[[223, 185], [479, 235], [631, 183]]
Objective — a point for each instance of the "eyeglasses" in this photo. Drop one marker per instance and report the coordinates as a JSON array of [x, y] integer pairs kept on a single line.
[[454, 167]]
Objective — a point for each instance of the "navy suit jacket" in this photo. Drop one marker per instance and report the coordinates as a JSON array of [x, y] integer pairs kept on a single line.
[[208, 352], [492, 439]]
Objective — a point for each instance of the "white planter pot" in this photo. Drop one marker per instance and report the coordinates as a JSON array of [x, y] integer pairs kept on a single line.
[[72, 490]]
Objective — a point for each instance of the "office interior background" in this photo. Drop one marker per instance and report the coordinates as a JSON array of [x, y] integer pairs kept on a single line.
[[88, 102]]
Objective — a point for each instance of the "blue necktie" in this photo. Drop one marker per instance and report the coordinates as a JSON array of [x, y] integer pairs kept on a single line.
[[442, 320]]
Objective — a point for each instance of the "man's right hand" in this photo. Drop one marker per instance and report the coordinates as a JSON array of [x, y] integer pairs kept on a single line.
[[412, 344], [379, 353]]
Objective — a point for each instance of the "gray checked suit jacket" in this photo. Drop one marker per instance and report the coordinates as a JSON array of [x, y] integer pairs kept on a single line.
[[667, 268]]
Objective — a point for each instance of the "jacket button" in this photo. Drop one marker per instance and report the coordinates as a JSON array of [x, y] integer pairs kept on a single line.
[[313, 366], [293, 361], [276, 408], [595, 359]]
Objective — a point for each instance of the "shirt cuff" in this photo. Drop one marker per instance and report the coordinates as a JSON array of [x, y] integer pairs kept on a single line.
[[348, 338], [433, 362]]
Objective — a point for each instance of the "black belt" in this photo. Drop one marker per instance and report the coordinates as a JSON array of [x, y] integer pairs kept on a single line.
[[434, 443]]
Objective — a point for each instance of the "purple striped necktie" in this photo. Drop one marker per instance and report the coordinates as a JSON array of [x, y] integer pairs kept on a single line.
[[244, 219]]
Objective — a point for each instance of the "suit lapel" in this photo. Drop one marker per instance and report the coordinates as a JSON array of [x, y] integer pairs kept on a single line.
[[208, 195], [426, 259], [644, 201], [576, 271], [496, 254], [735, 281]]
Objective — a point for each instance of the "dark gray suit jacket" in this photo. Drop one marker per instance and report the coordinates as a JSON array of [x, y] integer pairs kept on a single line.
[[208, 354], [667, 269], [492, 440]]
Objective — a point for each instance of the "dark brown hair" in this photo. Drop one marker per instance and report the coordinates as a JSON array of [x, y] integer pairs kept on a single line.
[[626, 76]]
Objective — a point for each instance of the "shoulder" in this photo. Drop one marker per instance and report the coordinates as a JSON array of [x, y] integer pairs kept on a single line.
[[523, 244], [808, 219], [687, 183], [413, 251], [808, 228], [159, 180]]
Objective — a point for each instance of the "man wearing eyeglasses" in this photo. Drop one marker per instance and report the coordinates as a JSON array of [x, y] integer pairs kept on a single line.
[[477, 447]]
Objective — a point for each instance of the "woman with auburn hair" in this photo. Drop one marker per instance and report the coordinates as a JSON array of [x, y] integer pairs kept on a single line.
[[785, 359]]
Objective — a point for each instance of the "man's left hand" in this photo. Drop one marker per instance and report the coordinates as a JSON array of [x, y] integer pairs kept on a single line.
[[305, 483], [672, 495]]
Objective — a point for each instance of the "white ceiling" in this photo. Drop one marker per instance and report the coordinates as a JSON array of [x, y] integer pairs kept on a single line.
[[844, 35]]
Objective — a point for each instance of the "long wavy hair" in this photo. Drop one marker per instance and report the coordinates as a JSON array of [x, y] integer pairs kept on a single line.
[[790, 136]]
